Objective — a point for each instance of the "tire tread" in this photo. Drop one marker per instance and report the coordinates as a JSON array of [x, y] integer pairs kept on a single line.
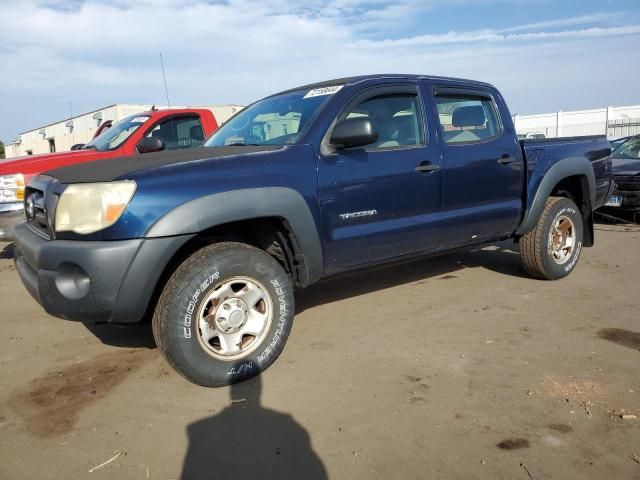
[[177, 282], [531, 244]]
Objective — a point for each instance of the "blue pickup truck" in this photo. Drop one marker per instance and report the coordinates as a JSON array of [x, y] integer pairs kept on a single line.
[[326, 178]]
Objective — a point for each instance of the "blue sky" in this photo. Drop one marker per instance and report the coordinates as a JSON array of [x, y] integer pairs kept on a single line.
[[544, 55]]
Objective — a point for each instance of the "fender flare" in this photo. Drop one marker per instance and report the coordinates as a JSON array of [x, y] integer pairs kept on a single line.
[[210, 211], [568, 167]]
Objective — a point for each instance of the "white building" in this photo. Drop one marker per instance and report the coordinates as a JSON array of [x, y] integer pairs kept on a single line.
[[615, 122], [60, 136]]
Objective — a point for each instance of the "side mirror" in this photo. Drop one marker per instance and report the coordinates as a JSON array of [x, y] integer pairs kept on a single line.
[[150, 145], [354, 132]]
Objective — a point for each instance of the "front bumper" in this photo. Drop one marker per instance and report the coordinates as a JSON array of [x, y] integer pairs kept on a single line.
[[628, 187], [111, 281], [11, 214]]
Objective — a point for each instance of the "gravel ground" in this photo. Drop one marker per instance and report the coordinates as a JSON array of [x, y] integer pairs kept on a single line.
[[454, 367]]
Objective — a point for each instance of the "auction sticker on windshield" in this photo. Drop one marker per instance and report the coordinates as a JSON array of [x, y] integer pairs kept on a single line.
[[319, 92]]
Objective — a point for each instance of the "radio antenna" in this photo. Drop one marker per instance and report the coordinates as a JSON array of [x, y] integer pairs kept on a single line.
[[73, 133], [164, 77], [166, 91]]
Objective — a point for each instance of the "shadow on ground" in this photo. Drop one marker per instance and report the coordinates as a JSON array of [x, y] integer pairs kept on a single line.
[[620, 336], [137, 335], [616, 216], [7, 252], [247, 440], [503, 258]]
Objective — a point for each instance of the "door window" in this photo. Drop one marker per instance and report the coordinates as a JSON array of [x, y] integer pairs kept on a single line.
[[396, 118], [467, 118], [179, 132]]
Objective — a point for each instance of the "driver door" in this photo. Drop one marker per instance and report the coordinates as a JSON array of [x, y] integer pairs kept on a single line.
[[377, 201]]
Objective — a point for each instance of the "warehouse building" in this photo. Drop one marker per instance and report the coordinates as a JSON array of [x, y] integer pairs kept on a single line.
[[614, 122], [61, 136]]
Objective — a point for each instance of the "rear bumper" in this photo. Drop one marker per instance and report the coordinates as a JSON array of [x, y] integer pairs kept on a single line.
[[11, 214], [92, 281]]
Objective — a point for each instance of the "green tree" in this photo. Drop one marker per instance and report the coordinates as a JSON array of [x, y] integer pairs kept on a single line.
[[1, 149]]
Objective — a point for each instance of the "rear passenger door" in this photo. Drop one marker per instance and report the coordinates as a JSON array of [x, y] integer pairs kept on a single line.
[[482, 166]]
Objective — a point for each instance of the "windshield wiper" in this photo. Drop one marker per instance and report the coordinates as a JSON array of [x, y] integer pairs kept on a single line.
[[242, 144]]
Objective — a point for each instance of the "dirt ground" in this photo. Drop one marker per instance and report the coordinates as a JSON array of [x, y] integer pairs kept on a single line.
[[455, 367]]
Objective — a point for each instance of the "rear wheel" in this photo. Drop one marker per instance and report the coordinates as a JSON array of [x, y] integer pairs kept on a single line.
[[225, 314], [551, 250]]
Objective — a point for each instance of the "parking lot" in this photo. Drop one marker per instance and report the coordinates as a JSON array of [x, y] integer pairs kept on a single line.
[[457, 367]]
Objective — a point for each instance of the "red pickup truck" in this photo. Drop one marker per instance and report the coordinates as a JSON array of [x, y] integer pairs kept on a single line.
[[137, 134]]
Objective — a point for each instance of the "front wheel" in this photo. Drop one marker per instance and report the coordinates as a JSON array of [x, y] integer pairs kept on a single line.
[[551, 250], [224, 315]]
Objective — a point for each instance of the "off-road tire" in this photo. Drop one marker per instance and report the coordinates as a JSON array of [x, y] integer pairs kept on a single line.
[[534, 246], [175, 319]]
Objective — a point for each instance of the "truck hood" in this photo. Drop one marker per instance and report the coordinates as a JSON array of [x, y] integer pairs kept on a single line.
[[122, 167], [34, 164], [626, 166]]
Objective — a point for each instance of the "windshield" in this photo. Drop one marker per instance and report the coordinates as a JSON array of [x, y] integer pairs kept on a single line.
[[629, 149], [616, 143], [277, 120], [115, 136]]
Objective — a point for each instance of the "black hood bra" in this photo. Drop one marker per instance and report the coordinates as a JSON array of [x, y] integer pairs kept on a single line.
[[108, 170]]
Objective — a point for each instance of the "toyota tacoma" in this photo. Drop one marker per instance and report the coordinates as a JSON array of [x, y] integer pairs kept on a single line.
[[211, 242]]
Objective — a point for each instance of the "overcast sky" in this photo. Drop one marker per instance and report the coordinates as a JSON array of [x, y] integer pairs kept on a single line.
[[544, 55]]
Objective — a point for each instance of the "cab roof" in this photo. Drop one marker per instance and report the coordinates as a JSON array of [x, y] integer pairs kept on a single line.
[[384, 76]]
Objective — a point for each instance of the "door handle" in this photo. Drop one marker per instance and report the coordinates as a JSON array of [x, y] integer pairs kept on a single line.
[[506, 160], [426, 167]]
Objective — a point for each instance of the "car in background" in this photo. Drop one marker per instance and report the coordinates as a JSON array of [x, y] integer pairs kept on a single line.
[[626, 173], [617, 142], [141, 133]]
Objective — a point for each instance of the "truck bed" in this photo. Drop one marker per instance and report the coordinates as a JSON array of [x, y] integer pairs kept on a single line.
[[542, 154]]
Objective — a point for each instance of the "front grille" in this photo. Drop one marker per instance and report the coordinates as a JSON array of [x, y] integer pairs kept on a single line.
[[37, 213], [627, 183], [40, 201]]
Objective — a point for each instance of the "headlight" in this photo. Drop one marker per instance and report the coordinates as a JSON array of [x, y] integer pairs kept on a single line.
[[11, 188], [89, 207]]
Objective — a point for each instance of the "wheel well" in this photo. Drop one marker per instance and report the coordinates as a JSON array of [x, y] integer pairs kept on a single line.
[[576, 188], [271, 234]]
